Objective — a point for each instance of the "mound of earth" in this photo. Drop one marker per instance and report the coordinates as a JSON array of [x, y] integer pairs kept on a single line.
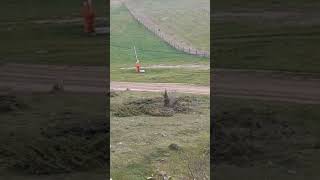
[[155, 106], [246, 137]]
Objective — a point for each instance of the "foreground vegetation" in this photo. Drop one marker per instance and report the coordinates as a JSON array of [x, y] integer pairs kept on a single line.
[[62, 139], [265, 140], [148, 138]]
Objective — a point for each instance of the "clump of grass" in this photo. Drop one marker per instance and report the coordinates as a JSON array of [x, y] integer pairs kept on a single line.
[[57, 87], [9, 103], [198, 166], [158, 106], [192, 162], [113, 94]]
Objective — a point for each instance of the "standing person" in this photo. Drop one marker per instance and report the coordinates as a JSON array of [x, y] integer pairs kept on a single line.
[[138, 65], [88, 16]]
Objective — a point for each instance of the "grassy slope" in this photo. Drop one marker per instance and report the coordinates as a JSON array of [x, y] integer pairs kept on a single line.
[[64, 43], [187, 20], [298, 116], [126, 32], [276, 44], [143, 145]]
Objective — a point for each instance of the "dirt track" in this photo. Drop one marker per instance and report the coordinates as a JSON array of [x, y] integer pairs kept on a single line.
[[41, 78], [160, 87], [269, 85]]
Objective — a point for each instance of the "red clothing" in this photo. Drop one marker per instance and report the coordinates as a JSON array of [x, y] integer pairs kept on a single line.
[[138, 67], [89, 16]]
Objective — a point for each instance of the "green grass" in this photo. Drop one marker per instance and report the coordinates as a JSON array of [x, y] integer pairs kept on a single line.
[[262, 43], [61, 43], [199, 77], [284, 52], [138, 143], [126, 32], [187, 20], [299, 116]]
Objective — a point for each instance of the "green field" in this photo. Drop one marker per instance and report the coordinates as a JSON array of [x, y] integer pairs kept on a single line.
[[41, 140], [271, 35], [139, 143], [26, 41], [266, 140], [126, 33], [186, 20]]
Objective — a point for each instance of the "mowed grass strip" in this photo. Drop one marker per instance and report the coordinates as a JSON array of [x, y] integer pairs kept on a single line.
[[126, 32]]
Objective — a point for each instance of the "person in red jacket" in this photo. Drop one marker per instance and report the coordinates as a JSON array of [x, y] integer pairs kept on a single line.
[[88, 16], [138, 66]]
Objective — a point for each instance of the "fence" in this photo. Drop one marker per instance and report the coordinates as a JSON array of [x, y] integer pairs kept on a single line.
[[146, 22]]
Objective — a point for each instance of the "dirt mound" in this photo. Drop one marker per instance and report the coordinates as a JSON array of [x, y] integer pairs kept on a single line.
[[72, 142], [155, 106], [9, 103], [246, 137]]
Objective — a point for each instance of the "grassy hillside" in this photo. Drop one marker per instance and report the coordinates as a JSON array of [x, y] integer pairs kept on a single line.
[[24, 40], [187, 20], [126, 32]]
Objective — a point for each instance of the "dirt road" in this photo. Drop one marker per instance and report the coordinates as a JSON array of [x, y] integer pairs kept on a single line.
[[269, 85], [160, 87], [41, 78]]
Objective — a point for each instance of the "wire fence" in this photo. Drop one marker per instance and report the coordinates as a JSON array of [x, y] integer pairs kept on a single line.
[[146, 22]]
